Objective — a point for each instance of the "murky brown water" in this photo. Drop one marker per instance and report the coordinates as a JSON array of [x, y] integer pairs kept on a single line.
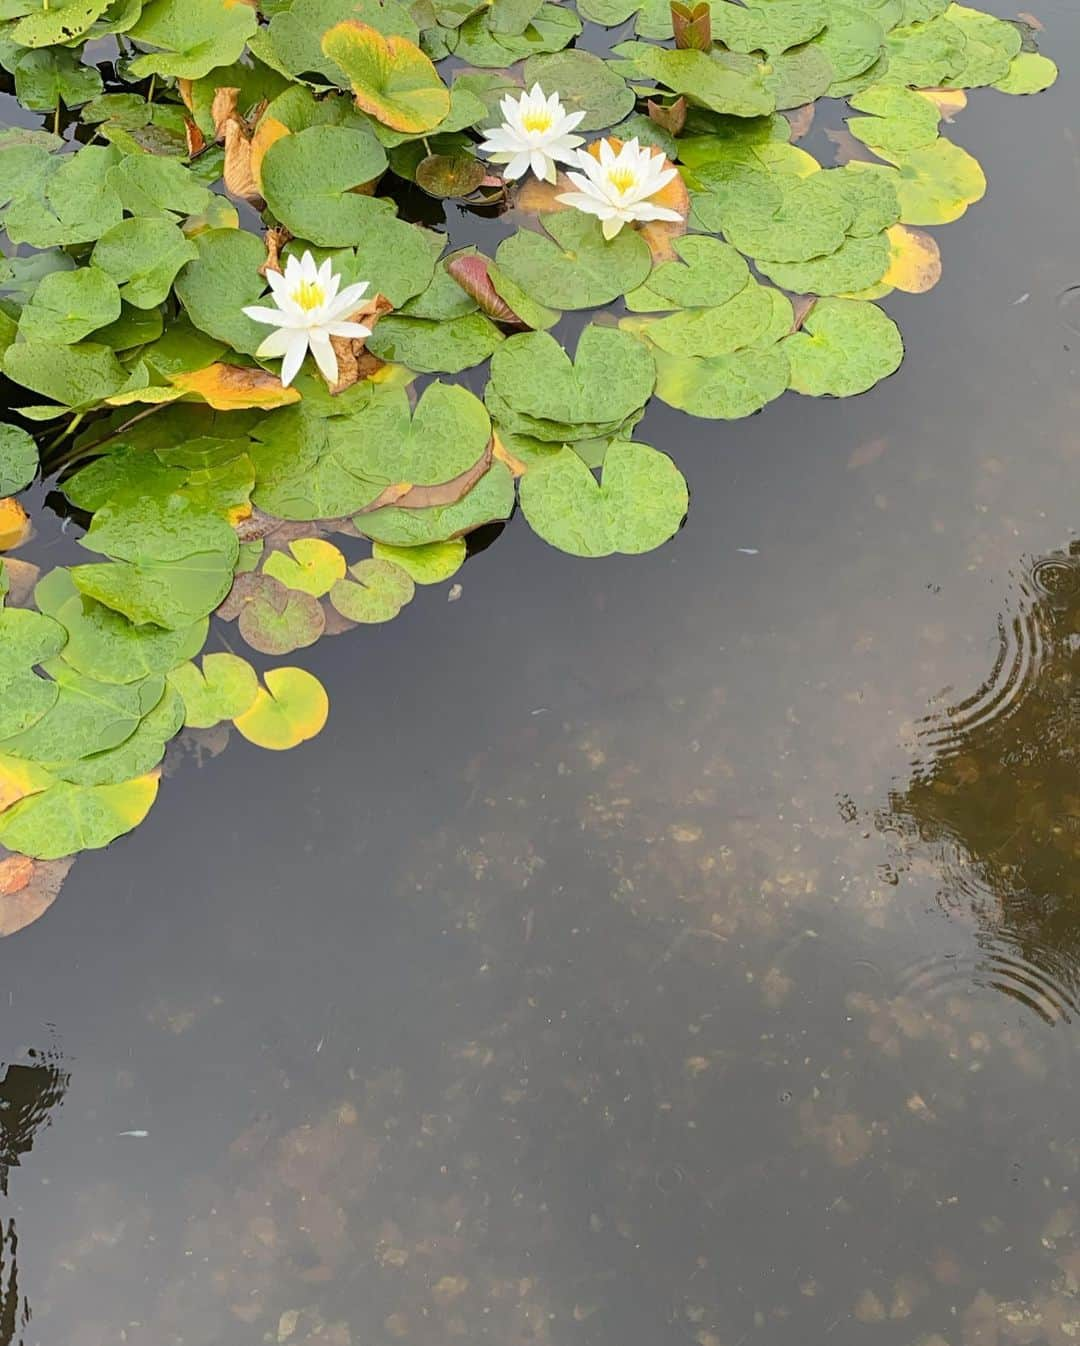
[[682, 949]]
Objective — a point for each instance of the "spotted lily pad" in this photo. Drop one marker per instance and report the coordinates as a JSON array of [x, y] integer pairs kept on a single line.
[[723, 387], [708, 273], [143, 257], [191, 36], [638, 504], [1029, 72], [377, 591], [431, 347], [277, 620]]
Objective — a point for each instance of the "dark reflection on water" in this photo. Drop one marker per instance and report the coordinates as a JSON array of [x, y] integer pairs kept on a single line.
[[586, 983]]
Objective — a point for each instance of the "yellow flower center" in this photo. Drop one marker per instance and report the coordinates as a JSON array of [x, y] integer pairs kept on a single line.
[[309, 294], [537, 121], [622, 179]]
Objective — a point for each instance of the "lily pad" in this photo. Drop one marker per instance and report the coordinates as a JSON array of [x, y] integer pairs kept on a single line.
[[900, 119], [103, 644], [68, 305], [937, 183], [585, 84], [428, 564], [67, 818], [226, 686], [856, 265], [391, 78], [1028, 73], [291, 709], [76, 376], [217, 285], [490, 500], [609, 379], [136, 756], [703, 79], [27, 640], [143, 257], [573, 266], [193, 36], [18, 459], [708, 273], [277, 620], [638, 504], [294, 35], [432, 347], [377, 592], [843, 348], [309, 178], [313, 567], [725, 387]]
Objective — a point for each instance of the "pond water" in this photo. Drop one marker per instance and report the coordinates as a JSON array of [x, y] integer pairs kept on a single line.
[[673, 949]]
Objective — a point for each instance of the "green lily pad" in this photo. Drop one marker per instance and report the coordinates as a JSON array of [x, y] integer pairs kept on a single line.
[[427, 564], [68, 305], [853, 41], [725, 387], [573, 266], [277, 620], [27, 640], [639, 503], [308, 180], [377, 592], [291, 709], [69, 200], [225, 687], [313, 567], [900, 119], [395, 258], [77, 376], [704, 332], [811, 220], [172, 561], [45, 79], [193, 36], [552, 28], [925, 55], [1028, 73], [68, 818], [87, 717], [585, 83], [143, 257], [103, 644], [442, 300], [18, 459], [137, 755], [843, 348], [709, 273], [609, 379], [216, 286], [856, 265], [58, 22], [771, 28], [391, 78], [737, 89], [937, 183], [432, 347], [991, 44]]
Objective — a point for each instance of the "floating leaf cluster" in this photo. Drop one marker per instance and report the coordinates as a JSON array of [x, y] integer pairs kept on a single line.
[[218, 138]]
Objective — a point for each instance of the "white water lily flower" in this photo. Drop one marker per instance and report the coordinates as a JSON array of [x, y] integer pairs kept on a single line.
[[309, 312], [619, 187], [535, 133]]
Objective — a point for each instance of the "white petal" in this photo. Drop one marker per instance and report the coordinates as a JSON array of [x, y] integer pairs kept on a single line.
[[276, 344], [278, 283], [273, 317], [611, 226], [294, 358], [324, 356], [348, 299], [517, 166], [584, 202], [356, 331], [645, 210], [308, 269], [293, 270], [571, 119], [542, 166]]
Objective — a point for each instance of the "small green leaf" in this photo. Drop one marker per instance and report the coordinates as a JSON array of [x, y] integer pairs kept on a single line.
[[843, 348], [68, 305], [18, 459], [225, 687], [377, 592], [313, 567]]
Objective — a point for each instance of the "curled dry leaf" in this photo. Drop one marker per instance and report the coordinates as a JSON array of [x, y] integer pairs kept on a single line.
[[470, 270], [671, 118], [28, 888], [194, 139], [404, 495], [692, 25], [235, 387], [275, 239], [801, 307], [353, 360]]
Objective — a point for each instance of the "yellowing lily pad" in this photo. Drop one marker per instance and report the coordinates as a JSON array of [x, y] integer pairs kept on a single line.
[[313, 567], [67, 818], [392, 80], [428, 564], [292, 708]]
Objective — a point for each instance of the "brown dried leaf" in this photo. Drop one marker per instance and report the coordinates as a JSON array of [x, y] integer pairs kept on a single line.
[[224, 110], [801, 305], [21, 577], [183, 88], [275, 239], [947, 101], [196, 141], [354, 361], [237, 174], [404, 495], [268, 130], [671, 118], [28, 888], [235, 387]]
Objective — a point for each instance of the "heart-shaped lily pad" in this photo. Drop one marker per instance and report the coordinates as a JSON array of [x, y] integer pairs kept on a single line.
[[843, 348], [637, 505], [313, 567], [18, 459], [309, 182], [67, 818], [392, 80], [290, 709], [226, 686], [276, 620], [573, 266], [377, 592]]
